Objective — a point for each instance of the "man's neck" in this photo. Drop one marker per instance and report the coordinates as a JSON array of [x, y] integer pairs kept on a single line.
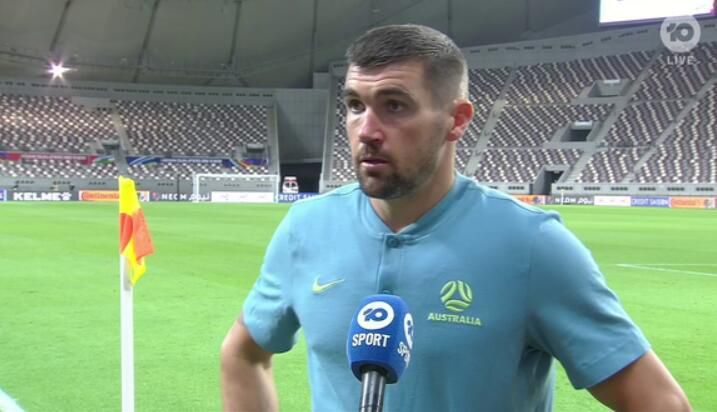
[[401, 212]]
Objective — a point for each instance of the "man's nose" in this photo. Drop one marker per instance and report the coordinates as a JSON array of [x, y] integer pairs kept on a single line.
[[371, 128]]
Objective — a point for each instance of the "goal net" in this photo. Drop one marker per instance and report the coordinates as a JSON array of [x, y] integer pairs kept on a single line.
[[235, 188]]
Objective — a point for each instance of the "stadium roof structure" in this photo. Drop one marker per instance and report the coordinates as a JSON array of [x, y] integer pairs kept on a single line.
[[246, 43]]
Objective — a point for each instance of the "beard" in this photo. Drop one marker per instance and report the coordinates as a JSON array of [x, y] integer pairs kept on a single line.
[[391, 186], [397, 182]]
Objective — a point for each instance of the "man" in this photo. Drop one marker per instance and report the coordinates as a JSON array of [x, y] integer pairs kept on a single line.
[[530, 291]]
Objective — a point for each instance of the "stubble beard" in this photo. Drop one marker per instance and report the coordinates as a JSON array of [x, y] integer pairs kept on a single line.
[[391, 186], [397, 184]]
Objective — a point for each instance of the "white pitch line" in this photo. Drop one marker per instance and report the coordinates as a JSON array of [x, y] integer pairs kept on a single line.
[[669, 264], [686, 272], [8, 404]]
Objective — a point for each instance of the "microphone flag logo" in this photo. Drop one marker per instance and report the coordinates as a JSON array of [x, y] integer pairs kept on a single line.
[[408, 329]]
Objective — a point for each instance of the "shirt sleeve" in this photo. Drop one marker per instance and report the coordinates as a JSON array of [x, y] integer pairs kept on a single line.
[[573, 314], [267, 312]]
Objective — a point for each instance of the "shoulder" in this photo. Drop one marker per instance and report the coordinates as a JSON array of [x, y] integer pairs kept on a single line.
[[502, 208], [348, 190], [341, 200]]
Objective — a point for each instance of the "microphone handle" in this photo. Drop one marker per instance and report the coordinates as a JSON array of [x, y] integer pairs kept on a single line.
[[373, 388]]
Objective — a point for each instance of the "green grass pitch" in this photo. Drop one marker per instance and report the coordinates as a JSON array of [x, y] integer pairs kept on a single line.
[[59, 301]]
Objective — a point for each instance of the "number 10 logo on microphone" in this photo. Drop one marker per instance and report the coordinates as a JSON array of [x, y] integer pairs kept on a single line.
[[375, 315]]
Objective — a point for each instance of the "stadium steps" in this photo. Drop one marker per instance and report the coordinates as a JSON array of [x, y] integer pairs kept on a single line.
[[120, 156], [491, 122], [121, 131], [577, 168], [644, 74], [619, 105], [670, 129], [599, 143]]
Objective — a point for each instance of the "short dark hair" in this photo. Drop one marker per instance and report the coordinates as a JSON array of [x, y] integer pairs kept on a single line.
[[446, 71]]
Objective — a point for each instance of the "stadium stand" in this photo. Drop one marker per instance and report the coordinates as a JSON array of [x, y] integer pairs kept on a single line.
[[50, 124], [462, 156], [641, 123], [520, 164], [184, 170], [611, 165], [192, 129], [47, 124], [689, 154], [71, 169], [561, 82], [484, 88], [51, 168], [341, 164], [531, 126], [672, 78]]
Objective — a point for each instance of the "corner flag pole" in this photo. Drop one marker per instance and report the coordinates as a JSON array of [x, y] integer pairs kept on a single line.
[[135, 244], [127, 337]]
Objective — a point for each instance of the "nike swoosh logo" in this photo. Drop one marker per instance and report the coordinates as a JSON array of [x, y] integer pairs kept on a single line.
[[318, 288]]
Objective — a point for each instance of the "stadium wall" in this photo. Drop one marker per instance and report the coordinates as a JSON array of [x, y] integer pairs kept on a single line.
[[146, 194], [157, 185], [672, 202], [139, 92], [300, 116], [665, 189]]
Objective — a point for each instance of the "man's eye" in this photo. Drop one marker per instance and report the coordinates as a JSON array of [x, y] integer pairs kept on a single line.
[[354, 106], [394, 106]]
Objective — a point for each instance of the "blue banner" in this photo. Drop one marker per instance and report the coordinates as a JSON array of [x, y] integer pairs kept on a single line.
[[255, 162], [143, 160], [194, 160], [293, 197], [229, 163], [650, 201]]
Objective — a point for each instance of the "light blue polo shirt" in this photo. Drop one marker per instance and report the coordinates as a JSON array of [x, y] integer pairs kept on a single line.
[[497, 289]]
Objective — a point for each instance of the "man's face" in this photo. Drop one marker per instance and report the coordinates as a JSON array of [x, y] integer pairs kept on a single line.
[[396, 130]]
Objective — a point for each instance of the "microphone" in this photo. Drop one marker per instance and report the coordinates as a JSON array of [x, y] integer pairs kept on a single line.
[[379, 346]]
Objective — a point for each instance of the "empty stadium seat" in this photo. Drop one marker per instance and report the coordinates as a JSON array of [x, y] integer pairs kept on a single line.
[[199, 129], [50, 124], [520, 164], [688, 155]]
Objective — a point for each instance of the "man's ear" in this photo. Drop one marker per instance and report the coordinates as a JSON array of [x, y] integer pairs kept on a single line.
[[462, 114]]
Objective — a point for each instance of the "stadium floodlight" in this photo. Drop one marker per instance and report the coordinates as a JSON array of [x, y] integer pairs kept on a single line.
[[58, 70]]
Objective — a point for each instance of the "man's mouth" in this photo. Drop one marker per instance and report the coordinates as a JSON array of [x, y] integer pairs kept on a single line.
[[373, 161]]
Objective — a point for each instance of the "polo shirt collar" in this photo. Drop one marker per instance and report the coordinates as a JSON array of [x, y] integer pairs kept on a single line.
[[425, 223]]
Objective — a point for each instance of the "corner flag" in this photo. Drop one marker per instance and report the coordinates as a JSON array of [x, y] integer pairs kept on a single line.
[[135, 244], [135, 241]]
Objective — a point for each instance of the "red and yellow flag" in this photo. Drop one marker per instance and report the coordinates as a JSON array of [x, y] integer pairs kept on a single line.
[[135, 241]]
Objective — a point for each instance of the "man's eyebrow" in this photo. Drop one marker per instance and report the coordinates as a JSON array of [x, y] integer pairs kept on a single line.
[[388, 92], [348, 93], [394, 92]]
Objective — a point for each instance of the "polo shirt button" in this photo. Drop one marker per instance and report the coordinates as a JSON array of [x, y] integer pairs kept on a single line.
[[387, 292], [393, 242]]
